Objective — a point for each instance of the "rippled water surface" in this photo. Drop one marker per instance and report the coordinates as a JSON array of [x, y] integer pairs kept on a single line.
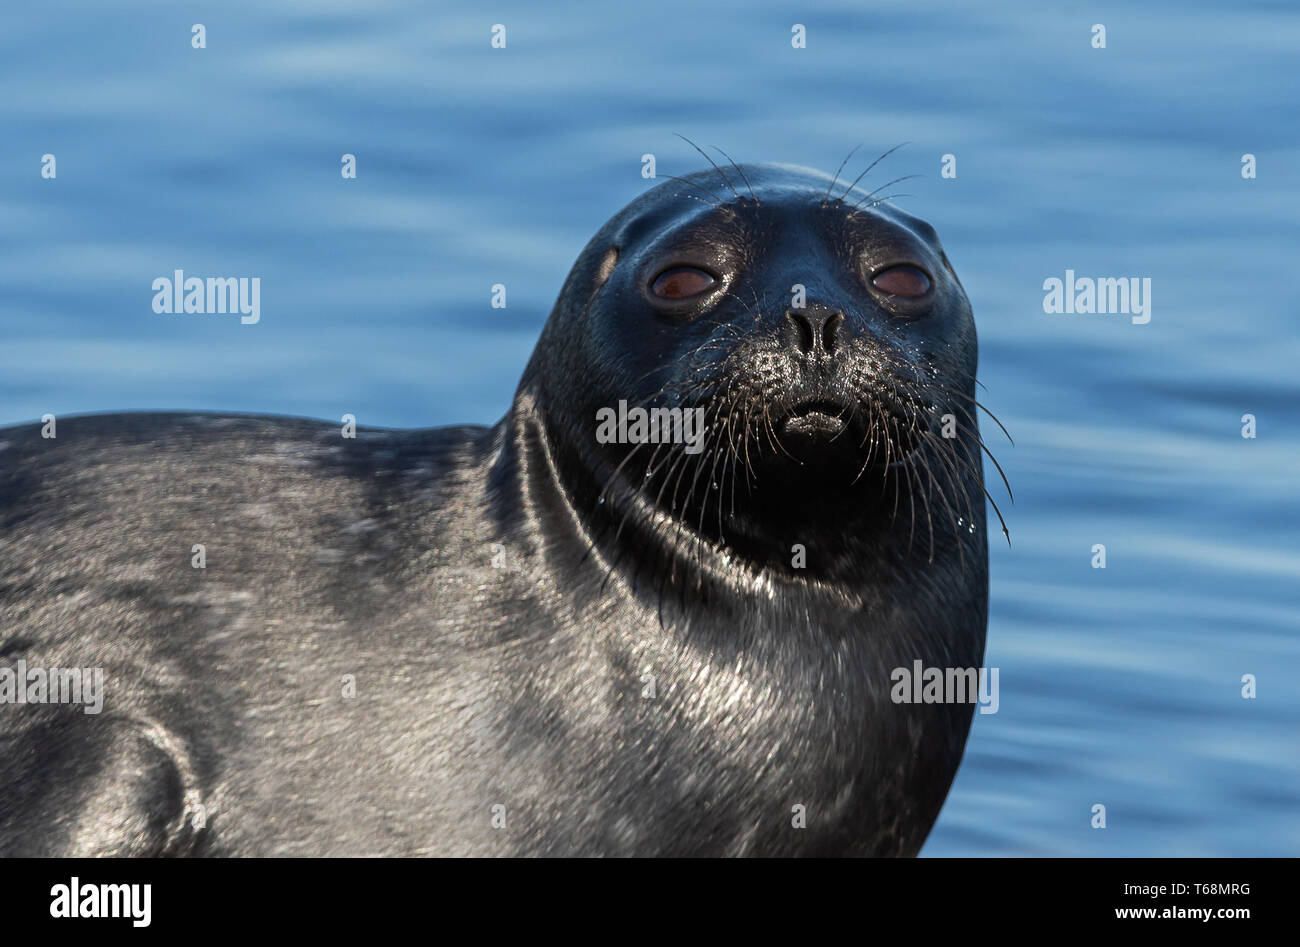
[[1119, 686]]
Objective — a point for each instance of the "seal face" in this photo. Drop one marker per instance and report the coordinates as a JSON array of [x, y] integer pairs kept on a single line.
[[655, 610], [824, 342]]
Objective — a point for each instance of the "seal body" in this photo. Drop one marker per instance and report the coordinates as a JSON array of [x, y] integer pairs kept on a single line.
[[536, 638]]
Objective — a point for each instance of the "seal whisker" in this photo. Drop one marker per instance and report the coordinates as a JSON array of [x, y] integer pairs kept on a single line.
[[892, 424], [836, 178], [609, 481], [926, 485], [984, 447], [922, 485], [1005, 482], [974, 430], [950, 459], [995, 420], [885, 199], [675, 472], [731, 476], [870, 166], [947, 455], [773, 438], [868, 441], [713, 197], [756, 316], [911, 501], [898, 180], [949, 474], [980, 406], [704, 500], [741, 172], [710, 161], [953, 481], [692, 197], [749, 467], [968, 376], [758, 307], [1005, 532]]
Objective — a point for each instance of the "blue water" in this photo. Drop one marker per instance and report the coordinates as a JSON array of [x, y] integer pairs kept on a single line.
[[476, 166]]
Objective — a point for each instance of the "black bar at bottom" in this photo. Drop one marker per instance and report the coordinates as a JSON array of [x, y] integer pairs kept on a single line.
[[330, 896]]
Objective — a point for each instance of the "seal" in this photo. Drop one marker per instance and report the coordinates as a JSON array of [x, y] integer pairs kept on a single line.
[[658, 609]]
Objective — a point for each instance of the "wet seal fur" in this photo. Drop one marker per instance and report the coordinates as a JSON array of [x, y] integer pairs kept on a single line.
[[557, 646]]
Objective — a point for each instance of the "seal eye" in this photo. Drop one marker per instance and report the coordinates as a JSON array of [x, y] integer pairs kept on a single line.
[[681, 282], [907, 281]]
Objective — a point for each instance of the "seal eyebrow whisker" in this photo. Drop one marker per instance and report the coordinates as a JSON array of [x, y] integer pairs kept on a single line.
[[905, 177], [884, 200], [710, 161], [835, 179], [692, 197], [870, 166], [707, 193], [744, 177]]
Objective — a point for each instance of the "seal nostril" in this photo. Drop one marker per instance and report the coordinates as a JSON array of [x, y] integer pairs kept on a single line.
[[815, 331], [831, 330], [805, 336]]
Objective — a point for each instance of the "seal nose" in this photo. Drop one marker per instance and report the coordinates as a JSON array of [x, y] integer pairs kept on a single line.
[[814, 331]]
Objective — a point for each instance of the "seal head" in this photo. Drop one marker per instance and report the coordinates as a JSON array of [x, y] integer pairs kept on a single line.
[[821, 336]]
